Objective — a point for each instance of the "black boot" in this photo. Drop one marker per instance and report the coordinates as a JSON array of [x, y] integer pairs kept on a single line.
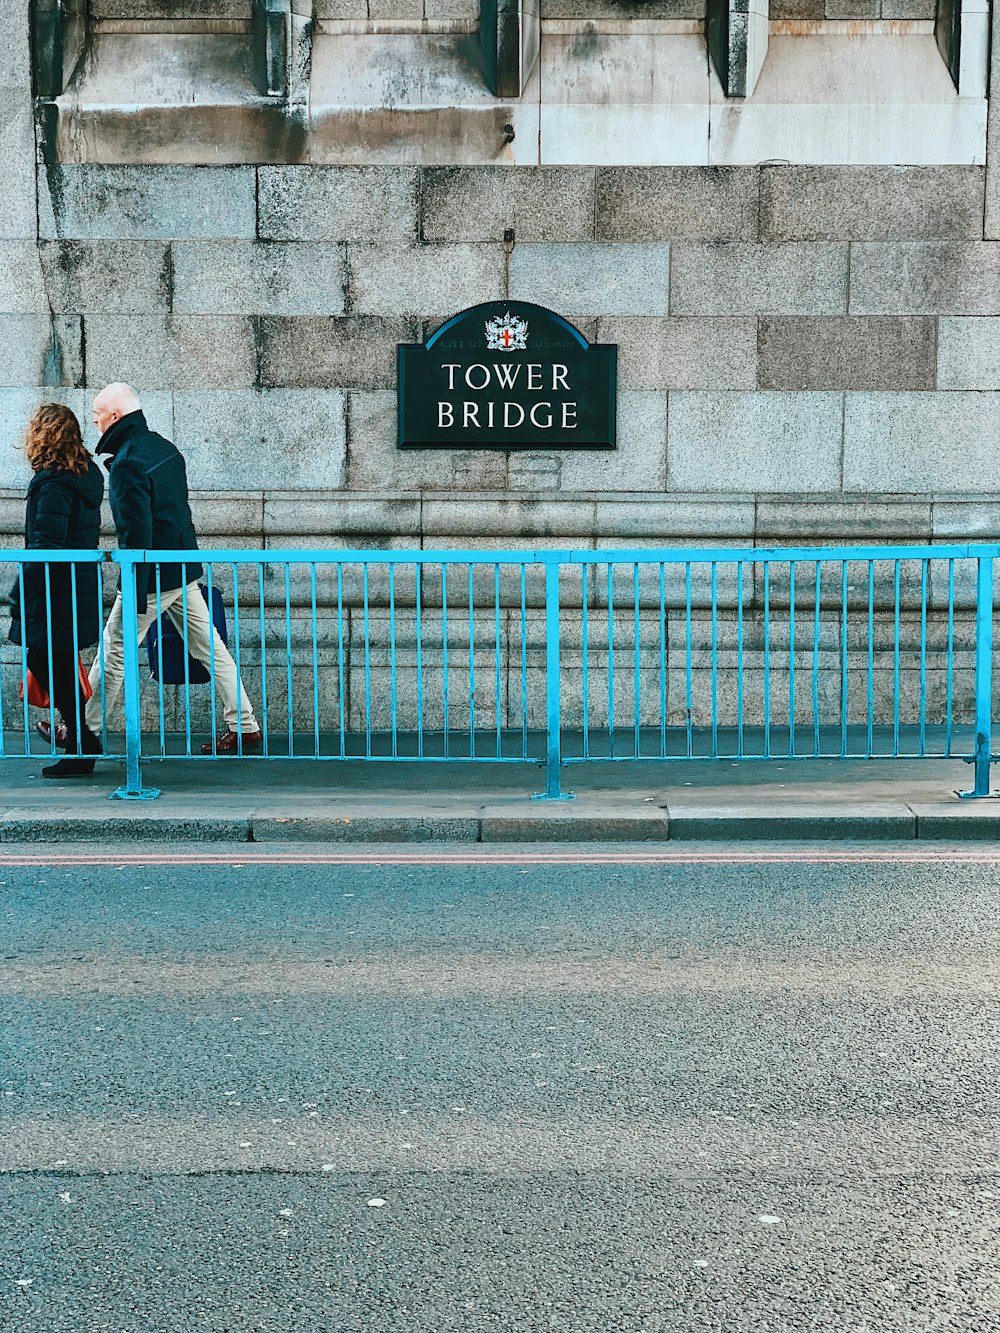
[[77, 768], [69, 768]]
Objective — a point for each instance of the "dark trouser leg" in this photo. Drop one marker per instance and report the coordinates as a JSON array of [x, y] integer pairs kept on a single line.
[[66, 695]]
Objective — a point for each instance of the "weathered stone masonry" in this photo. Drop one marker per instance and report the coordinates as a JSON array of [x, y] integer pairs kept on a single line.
[[824, 334]]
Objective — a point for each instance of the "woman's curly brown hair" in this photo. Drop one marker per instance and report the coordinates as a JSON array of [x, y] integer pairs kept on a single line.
[[54, 440]]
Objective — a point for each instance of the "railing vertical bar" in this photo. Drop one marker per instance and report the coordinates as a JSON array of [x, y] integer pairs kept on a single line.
[[22, 575], [187, 667], [211, 660], [715, 660], [871, 660], [130, 678], [895, 663], [553, 683], [791, 659], [983, 752], [611, 660], [418, 574], [100, 658], [951, 657], [263, 656], [767, 660], [496, 659], [368, 660], [315, 656], [636, 690], [818, 598], [444, 651], [739, 659], [923, 658], [524, 661], [663, 661], [688, 720], [472, 664], [236, 636], [844, 608], [393, 696], [76, 666], [159, 660], [585, 652], [48, 637], [341, 675], [288, 655]]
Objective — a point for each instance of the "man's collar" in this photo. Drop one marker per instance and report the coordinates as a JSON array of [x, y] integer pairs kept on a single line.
[[115, 436]]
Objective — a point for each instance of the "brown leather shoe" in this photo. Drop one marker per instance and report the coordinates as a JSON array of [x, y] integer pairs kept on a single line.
[[45, 731], [228, 742]]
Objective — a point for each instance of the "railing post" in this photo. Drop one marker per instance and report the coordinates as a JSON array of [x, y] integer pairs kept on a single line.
[[553, 682], [133, 789], [984, 678]]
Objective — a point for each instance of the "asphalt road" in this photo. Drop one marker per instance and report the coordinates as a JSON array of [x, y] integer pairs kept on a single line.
[[738, 1089]]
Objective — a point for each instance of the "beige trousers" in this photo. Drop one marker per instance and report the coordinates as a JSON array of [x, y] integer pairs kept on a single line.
[[200, 632]]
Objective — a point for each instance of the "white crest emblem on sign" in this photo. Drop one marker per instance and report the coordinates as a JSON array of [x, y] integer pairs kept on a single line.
[[506, 333]]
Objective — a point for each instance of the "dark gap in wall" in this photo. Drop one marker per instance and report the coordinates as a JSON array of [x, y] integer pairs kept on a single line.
[[167, 277], [83, 352], [53, 370], [259, 339]]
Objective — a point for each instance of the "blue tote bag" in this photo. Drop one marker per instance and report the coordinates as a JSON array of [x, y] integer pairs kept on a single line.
[[163, 631]]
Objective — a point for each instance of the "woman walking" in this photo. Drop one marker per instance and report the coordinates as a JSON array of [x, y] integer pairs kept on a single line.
[[63, 513]]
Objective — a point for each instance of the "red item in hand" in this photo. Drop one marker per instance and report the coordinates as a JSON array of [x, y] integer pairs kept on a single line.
[[38, 695]]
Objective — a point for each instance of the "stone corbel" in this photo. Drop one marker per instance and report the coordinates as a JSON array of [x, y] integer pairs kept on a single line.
[[272, 45], [58, 33], [283, 33], [510, 32], [737, 43]]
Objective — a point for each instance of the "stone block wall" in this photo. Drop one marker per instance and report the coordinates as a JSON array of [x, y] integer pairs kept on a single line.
[[171, 9], [820, 332], [853, 9]]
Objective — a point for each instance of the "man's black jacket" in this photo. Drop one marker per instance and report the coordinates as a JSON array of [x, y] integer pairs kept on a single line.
[[147, 486]]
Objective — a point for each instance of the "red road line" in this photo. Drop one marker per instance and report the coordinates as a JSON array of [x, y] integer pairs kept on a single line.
[[619, 858]]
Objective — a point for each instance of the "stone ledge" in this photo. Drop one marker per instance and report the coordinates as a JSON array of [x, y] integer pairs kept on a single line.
[[425, 517], [820, 822], [640, 97], [359, 827], [111, 823]]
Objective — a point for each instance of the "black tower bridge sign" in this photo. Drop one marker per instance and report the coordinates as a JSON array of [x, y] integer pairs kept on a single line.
[[507, 375]]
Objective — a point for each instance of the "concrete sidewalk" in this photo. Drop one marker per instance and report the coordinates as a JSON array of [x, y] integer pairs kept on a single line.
[[232, 800]]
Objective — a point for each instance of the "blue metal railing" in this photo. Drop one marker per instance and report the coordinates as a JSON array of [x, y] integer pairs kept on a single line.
[[559, 657]]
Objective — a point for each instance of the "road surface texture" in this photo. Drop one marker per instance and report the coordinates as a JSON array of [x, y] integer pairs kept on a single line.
[[418, 1090]]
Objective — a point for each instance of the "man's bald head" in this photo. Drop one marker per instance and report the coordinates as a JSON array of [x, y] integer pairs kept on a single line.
[[113, 403]]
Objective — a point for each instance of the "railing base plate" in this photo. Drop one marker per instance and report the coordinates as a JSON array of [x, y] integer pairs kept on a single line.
[[563, 796], [123, 794], [981, 777]]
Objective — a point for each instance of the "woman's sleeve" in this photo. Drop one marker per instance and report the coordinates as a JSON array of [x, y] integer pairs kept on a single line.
[[52, 517], [48, 532]]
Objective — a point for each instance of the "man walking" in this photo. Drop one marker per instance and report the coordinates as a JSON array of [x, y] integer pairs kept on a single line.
[[149, 502]]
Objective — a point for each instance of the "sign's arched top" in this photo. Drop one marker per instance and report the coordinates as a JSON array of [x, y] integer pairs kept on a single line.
[[467, 322], [507, 375]]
